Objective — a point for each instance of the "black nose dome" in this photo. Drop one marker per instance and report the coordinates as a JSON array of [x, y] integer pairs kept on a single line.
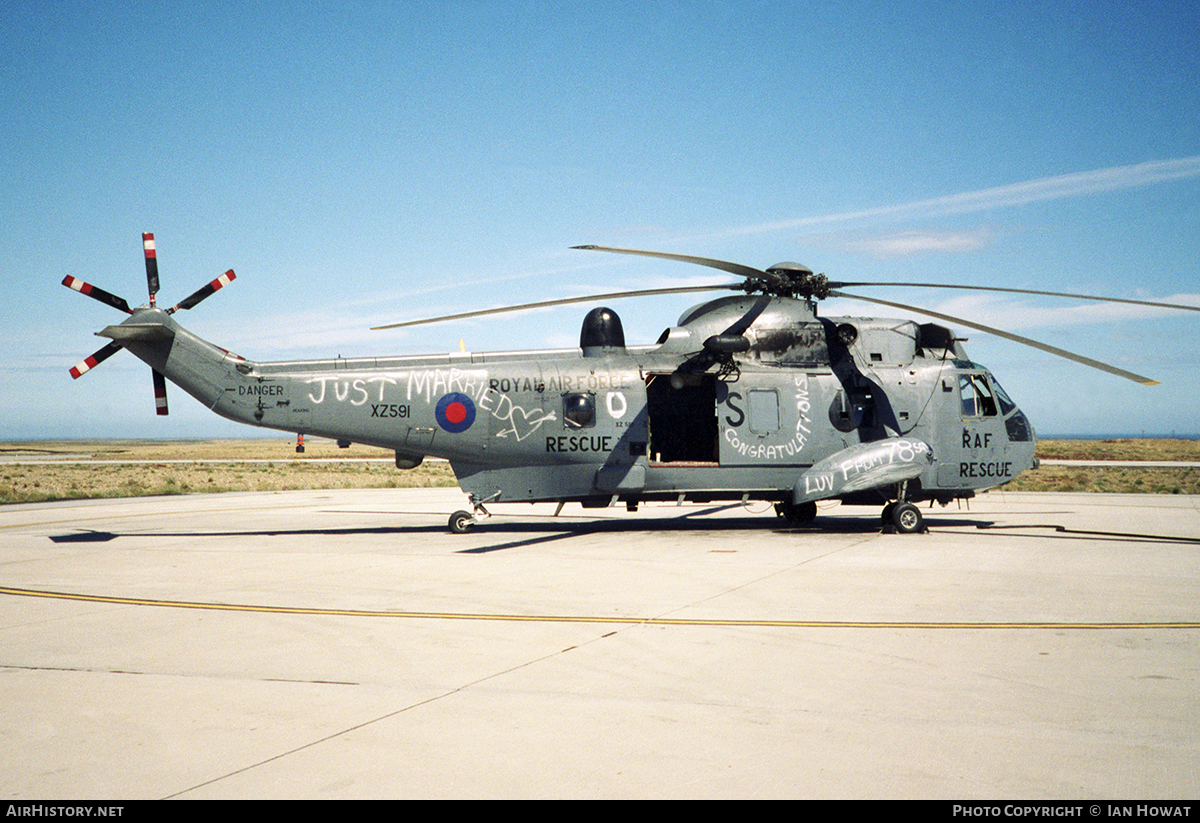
[[602, 333]]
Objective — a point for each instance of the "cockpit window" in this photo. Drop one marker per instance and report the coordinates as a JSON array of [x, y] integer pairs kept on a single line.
[[976, 396], [1006, 403]]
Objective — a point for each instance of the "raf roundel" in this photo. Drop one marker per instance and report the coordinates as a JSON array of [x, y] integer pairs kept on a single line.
[[455, 412]]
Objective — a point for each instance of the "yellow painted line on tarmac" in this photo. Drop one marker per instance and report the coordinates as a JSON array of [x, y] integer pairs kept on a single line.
[[546, 618]]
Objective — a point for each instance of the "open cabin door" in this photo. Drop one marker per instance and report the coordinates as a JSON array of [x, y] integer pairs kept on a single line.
[[682, 412]]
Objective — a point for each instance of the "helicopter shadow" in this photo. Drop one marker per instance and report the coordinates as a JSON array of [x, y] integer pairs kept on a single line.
[[539, 530], [92, 536], [522, 531], [534, 529]]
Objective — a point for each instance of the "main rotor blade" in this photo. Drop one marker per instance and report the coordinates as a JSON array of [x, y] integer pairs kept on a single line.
[[97, 293], [151, 265], [1024, 291], [192, 300], [723, 265], [160, 393], [94, 360], [1016, 338], [562, 302]]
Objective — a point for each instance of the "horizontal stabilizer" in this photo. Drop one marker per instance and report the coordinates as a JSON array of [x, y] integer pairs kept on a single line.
[[137, 332]]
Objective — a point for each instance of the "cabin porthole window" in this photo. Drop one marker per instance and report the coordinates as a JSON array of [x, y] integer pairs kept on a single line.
[[579, 410]]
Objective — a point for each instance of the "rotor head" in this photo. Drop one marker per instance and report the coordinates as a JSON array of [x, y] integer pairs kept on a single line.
[[791, 280]]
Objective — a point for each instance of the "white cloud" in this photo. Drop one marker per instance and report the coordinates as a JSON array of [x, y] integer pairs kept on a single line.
[[1031, 191], [904, 243]]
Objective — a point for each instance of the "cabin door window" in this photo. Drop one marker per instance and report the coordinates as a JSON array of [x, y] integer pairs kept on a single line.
[[764, 411]]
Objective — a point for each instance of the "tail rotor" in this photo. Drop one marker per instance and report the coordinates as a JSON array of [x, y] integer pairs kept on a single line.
[[160, 393], [119, 303], [97, 293], [96, 359], [151, 265], [204, 292]]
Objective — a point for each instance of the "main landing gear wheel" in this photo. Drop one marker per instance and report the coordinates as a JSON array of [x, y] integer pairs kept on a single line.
[[798, 514], [461, 522], [905, 517]]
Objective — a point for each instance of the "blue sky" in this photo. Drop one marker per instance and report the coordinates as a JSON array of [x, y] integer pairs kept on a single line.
[[364, 163]]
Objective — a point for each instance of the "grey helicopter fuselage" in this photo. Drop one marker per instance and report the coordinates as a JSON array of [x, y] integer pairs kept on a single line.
[[748, 397]]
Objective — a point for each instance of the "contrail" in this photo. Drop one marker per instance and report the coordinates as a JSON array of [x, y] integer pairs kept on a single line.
[[1017, 194]]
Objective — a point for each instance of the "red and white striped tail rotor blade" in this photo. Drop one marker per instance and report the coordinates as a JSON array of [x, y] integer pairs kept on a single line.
[[160, 393], [97, 293], [151, 264], [192, 300], [94, 360]]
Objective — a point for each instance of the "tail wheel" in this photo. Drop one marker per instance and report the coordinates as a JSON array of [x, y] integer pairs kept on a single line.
[[461, 522]]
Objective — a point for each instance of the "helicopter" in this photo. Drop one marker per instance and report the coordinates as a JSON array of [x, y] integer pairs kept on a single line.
[[751, 396]]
